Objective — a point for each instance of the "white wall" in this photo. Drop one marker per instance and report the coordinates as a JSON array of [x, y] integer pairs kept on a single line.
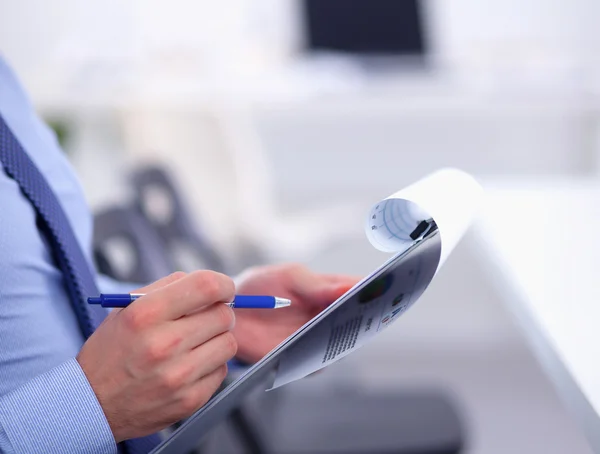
[[518, 30]]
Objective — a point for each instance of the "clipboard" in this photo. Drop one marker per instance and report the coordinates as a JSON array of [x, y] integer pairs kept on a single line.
[[409, 222]]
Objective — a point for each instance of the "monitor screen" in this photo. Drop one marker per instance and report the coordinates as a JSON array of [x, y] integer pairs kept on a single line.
[[371, 27]]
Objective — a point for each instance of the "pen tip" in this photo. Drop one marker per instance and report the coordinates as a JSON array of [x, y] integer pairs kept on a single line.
[[94, 300], [282, 302]]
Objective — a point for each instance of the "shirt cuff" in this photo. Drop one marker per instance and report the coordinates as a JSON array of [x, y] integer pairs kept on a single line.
[[56, 412]]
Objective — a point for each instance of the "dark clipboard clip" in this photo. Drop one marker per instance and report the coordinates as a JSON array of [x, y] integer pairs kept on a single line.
[[423, 229]]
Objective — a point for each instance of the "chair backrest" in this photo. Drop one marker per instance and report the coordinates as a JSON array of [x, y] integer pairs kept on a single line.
[[159, 202], [127, 248]]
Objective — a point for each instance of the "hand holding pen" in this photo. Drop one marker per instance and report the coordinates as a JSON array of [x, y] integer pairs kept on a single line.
[[162, 357]]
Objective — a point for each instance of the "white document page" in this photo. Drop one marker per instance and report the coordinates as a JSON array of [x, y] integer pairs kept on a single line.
[[441, 205]]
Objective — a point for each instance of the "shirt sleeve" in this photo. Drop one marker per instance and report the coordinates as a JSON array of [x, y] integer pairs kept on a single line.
[[56, 412]]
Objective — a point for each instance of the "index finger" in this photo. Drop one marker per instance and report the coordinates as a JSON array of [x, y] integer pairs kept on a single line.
[[189, 294]]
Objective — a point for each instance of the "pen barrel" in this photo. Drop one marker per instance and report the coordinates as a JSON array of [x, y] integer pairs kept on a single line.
[[254, 302], [116, 300]]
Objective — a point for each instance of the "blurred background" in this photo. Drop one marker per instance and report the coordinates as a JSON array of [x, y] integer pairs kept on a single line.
[[282, 121]]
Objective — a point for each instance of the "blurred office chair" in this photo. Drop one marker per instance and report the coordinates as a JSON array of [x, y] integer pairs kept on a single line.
[[288, 420], [128, 248], [159, 202]]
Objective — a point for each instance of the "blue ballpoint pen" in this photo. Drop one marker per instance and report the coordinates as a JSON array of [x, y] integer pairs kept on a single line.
[[239, 302]]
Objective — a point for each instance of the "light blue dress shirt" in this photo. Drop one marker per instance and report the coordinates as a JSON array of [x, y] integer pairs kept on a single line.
[[46, 402]]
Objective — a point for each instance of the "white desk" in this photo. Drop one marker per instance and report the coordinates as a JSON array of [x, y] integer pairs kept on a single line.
[[540, 242]]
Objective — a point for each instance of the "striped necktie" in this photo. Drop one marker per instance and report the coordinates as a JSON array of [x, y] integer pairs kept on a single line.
[[54, 225]]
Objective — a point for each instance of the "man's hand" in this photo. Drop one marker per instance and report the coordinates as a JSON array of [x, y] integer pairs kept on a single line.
[[160, 359], [258, 330]]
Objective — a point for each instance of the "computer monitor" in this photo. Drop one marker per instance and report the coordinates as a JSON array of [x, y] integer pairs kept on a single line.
[[364, 27]]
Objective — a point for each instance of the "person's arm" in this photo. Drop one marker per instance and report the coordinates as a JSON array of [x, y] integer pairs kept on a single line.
[[45, 399], [55, 412], [141, 381], [145, 367]]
